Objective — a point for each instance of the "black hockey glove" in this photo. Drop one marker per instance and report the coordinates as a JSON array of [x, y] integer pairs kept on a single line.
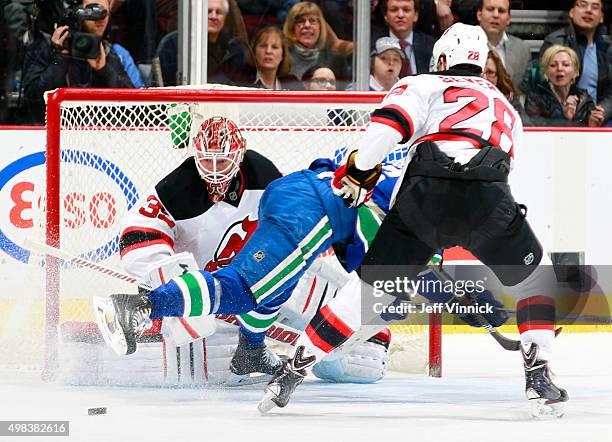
[[355, 186]]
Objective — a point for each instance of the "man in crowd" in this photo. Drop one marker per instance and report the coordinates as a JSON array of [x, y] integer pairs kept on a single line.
[[401, 16], [494, 17], [584, 35]]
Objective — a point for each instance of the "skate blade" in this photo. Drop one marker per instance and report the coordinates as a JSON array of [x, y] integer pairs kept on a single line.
[[106, 318], [266, 403], [543, 408], [238, 380]]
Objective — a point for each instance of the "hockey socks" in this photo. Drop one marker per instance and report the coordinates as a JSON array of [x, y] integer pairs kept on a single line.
[[199, 293]]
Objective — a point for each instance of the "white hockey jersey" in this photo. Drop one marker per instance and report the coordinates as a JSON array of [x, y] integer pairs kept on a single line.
[[177, 215], [426, 104]]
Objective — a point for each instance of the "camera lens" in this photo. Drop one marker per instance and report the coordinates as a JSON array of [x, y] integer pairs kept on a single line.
[[82, 44]]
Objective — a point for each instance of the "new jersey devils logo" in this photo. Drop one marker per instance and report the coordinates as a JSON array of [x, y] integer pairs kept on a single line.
[[232, 241]]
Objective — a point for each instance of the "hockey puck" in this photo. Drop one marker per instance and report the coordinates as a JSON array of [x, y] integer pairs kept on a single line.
[[95, 411]]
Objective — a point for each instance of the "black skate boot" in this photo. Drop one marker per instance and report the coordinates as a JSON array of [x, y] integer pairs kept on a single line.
[[248, 362], [545, 397], [121, 319], [285, 381]]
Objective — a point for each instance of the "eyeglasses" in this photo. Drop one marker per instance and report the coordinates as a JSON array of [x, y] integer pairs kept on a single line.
[[324, 81], [303, 20], [490, 73], [585, 5]]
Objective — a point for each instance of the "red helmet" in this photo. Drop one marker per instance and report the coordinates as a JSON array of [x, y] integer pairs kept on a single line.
[[218, 150]]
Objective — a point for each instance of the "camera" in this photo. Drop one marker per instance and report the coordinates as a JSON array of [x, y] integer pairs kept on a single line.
[[82, 45]]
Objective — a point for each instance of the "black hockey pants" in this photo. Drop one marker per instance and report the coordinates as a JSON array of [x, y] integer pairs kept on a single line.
[[442, 204]]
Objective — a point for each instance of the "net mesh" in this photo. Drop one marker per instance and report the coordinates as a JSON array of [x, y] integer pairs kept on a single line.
[[111, 152]]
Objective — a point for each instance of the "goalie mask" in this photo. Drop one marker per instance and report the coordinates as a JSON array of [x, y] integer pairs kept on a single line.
[[218, 150], [460, 44]]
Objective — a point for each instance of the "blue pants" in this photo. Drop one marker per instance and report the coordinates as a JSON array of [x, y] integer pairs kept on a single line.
[[299, 218]]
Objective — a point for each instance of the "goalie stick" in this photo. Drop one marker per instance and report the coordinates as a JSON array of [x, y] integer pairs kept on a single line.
[[279, 333]]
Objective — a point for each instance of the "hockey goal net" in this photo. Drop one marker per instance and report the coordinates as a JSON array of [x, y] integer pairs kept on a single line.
[[106, 147]]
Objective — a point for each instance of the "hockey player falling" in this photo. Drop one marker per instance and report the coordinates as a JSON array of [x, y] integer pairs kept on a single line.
[[454, 191], [204, 212]]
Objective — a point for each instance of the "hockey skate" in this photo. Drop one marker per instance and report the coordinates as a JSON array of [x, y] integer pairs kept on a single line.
[[252, 365], [545, 397], [121, 319], [285, 381]]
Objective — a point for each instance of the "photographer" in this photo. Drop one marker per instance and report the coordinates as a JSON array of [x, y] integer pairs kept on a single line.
[[76, 55]]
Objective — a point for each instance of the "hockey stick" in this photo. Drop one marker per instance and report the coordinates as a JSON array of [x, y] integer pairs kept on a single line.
[[82, 262], [279, 333], [506, 343]]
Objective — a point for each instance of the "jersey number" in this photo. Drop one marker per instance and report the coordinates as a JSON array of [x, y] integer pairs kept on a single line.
[[154, 209], [479, 103]]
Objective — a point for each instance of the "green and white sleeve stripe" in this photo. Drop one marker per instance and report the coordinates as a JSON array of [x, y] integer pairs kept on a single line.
[[367, 225], [256, 322], [195, 294], [293, 263]]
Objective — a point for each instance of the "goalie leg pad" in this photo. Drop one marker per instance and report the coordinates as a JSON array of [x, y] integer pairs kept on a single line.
[[365, 363]]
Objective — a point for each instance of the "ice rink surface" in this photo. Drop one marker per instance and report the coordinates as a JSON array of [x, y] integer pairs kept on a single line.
[[480, 398]]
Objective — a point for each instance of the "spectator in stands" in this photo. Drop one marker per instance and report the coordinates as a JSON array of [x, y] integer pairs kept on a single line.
[[495, 72], [494, 17], [401, 16], [319, 78], [559, 101], [385, 64], [585, 36], [311, 42], [48, 64], [227, 42], [269, 65], [435, 16]]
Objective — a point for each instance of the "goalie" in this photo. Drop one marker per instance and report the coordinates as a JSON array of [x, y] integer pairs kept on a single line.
[[200, 216]]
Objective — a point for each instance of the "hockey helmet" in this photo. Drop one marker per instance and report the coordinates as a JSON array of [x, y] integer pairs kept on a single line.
[[461, 44], [218, 150]]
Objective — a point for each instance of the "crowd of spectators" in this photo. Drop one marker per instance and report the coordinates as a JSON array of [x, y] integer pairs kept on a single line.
[[304, 45]]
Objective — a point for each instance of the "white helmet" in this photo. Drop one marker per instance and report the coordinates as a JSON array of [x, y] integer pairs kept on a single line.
[[461, 44], [218, 150]]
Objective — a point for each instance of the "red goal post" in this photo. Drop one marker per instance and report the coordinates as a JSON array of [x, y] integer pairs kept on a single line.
[[106, 146]]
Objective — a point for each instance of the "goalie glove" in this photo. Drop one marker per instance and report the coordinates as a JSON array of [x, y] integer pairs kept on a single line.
[[355, 186]]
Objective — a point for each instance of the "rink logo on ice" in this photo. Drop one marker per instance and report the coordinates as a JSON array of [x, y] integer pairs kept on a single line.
[[232, 241], [21, 193]]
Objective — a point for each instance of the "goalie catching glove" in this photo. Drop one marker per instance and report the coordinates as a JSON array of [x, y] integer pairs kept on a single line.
[[355, 186]]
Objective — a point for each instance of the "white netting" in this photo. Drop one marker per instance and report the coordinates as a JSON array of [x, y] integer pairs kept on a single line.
[[112, 151]]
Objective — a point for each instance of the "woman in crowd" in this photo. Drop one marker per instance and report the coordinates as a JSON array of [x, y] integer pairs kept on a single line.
[[557, 101], [319, 78], [269, 64], [311, 42], [496, 73]]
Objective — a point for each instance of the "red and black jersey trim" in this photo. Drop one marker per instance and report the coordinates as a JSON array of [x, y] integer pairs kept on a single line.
[[397, 118], [536, 313], [327, 331], [138, 237]]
